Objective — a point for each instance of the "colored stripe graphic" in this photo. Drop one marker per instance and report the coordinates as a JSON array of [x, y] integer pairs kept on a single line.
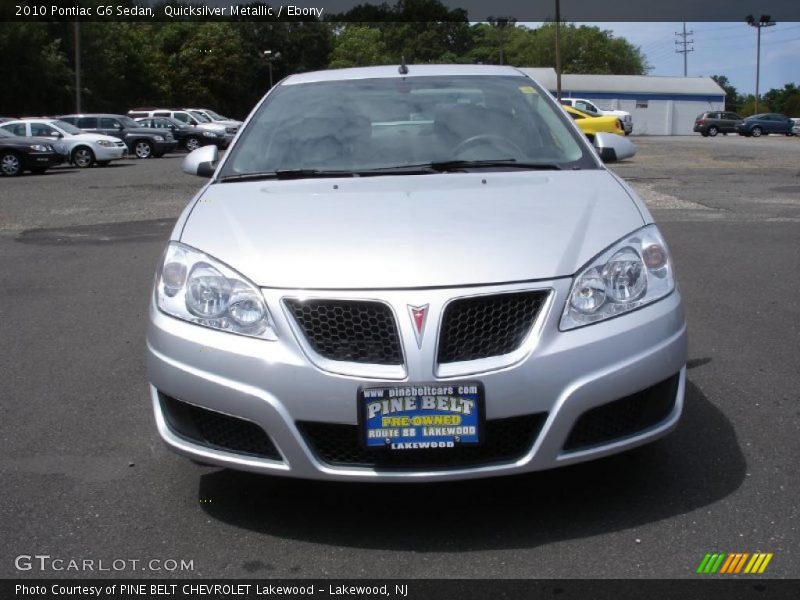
[[733, 563]]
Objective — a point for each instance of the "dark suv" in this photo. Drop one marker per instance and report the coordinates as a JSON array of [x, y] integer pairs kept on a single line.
[[713, 122], [188, 137], [142, 142]]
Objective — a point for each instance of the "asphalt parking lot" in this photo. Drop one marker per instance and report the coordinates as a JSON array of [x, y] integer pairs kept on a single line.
[[86, 476]]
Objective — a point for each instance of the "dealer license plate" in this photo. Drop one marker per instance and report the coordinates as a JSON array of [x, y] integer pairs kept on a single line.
[[421, 416]]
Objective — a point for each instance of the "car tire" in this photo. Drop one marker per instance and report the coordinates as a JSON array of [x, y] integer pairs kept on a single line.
[[82, 157], [10, 164], [143, 149], [713, 131], [191, 143], [756, 131]]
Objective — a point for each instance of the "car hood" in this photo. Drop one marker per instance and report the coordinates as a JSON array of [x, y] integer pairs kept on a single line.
[[91, 137], [411, 231]]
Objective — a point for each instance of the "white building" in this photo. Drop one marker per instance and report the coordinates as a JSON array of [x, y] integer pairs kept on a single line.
[[658, 105]]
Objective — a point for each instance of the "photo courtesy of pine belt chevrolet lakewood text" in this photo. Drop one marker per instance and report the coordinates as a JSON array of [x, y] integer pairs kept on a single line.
[[413, 273]]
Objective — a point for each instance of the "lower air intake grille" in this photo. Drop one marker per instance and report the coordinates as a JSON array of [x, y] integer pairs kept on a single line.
[[485, 326], [210, 428], [505, 440], [624, 417], [349, 330]]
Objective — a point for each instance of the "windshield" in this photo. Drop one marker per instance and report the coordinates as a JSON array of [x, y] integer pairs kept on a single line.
[[380, 124], [200, 116], [215, 116], [128, 122], [67, 127], [4, 133]]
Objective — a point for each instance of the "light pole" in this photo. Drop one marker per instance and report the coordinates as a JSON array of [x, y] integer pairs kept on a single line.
[[269, 56], [77, 32], [763, 21], [558, 50]]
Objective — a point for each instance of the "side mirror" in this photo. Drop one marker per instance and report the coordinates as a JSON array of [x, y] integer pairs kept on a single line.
[[201, 162], [612, 147]]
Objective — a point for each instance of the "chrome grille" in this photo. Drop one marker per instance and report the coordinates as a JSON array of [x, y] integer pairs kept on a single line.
[[485, 326], [349, 330]]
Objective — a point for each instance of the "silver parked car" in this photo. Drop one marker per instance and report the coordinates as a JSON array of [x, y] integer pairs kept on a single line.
[[413, 273]]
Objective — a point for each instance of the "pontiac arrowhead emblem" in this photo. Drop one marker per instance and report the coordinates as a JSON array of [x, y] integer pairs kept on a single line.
[[419, 314]]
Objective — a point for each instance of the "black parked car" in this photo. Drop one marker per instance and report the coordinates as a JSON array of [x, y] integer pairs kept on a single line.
[[764, 124], [143, 142], [188, 137], [713, 122], [20, 153]]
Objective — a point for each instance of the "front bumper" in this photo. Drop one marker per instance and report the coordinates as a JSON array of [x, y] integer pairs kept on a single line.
[[41, 160], [627, 126], [165, 146], [559, 375], [109, 153]]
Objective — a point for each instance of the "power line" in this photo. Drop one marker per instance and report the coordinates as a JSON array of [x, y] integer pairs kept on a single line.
[[684, 42]]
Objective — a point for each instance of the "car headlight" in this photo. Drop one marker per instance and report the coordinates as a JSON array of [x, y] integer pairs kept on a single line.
[[630, 274], [195, 287], [39, 147], [105, 144], [159, 138], [209, 134]]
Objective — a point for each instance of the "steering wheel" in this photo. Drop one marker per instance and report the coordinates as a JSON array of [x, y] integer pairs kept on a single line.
[[483, 138]]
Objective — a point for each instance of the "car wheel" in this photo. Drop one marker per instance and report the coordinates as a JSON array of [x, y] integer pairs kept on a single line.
[[713, 131], [83, 157], [143, 149], [10, 164], [756, 131], [103, 163], [191, 144]]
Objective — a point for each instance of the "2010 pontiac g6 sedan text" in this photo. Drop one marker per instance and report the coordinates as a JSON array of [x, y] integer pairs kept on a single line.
[[413, 273]]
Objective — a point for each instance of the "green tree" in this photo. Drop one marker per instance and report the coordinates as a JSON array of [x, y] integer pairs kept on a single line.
[[358, 46], [732, 98], [785, 100], [35, 73]]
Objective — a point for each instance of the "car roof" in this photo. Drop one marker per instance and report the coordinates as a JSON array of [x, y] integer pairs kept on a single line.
[[392, 71], [113, 115]]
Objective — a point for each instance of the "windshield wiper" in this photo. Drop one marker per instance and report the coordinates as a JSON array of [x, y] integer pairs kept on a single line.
[[287, 174], [458, 165]]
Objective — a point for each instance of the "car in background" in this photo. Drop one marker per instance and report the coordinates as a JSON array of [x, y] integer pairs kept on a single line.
[[24, 153], [213, 117], [83, 149], [141, 141], [201, 123], [796, 126], [591, 108], [6, 119], [764, 124], [590, 124], [711, 123], [188, 137]]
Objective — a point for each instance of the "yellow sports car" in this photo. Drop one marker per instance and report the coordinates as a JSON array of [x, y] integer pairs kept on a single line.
[[590, 124]]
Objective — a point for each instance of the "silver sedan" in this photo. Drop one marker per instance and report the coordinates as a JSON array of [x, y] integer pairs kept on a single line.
[[413, 273]]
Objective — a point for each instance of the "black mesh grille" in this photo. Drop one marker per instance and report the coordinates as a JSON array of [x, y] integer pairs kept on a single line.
[[624, 417], [505, 440], [350, 330], [214, 429], [486, 326]]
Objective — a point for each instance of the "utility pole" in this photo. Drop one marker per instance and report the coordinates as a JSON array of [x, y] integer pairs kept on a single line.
[[77, 32], [558, 50], [763, 21], [684, 42]]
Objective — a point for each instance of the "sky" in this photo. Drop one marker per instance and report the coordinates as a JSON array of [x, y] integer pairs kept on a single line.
[[720, 49]]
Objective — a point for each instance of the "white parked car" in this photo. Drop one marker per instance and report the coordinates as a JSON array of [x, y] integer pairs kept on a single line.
[[214, 117], [81, 148], [796, 126], [592, 108]]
